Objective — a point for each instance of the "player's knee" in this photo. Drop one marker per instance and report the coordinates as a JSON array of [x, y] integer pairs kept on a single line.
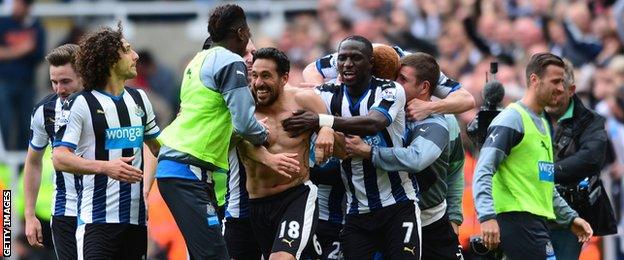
[[281, 256]]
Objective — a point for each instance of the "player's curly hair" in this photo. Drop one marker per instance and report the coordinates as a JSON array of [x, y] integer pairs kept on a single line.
[[224, 20], [386, 62], [99, 51]]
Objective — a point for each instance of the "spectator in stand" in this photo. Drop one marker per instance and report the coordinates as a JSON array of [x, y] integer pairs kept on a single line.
[[22, 43]]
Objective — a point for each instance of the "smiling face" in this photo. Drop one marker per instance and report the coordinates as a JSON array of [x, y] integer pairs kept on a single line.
[[549, 86], [126, 65], [266, 83], [354, 64]]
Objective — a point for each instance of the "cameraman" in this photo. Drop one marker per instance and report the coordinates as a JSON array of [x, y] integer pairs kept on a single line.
[[579, 146], [513, 184]]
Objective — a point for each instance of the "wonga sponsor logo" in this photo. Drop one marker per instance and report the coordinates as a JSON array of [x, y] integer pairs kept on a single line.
[[124, 137]]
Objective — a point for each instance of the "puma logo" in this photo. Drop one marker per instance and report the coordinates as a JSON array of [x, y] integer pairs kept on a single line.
[[288, 242], [99, 111], [411, 250], [493, 136]]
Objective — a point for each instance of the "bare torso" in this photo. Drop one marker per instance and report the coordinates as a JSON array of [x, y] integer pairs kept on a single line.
[[261, 180]]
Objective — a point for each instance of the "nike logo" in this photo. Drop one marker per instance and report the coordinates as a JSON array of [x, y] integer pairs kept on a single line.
[[51, 119], [424, 129], [288, 242], [411, 250], [493, 136], [240, 72], [99, 111]]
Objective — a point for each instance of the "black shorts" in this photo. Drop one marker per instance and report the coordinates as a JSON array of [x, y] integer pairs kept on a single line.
[[111, 241], [393, 230], [524, 236], [240, 241], [286, 221], [64, 236], [328, 236], [439, 241], [193, 206]]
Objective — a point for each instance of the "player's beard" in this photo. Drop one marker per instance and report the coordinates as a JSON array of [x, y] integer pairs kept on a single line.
[[269, 95]]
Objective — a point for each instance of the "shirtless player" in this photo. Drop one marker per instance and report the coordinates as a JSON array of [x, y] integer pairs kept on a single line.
[[282, 208]]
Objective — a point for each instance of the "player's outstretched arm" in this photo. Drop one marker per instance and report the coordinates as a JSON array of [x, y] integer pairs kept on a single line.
[[150, 154], [285, 164], [32, 182], [303, 121], [119, 169], [456, 102]]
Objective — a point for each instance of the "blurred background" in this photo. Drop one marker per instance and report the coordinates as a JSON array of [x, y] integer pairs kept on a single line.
[[464, 35]]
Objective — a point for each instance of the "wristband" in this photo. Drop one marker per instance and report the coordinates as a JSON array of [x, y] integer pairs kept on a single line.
[[326, 120]]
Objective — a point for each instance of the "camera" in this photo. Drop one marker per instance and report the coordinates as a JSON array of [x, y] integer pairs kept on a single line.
[[478, 247], [581, 195], [493, 94]]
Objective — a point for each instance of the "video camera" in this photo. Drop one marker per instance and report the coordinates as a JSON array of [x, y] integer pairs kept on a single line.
[[483, 253], [581, 195], [493, 93]]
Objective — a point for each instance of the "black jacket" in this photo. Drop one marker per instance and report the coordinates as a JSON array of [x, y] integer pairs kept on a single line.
[[579, 146]]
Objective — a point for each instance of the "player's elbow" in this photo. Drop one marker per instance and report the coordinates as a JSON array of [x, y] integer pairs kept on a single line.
[[466, 99], [255, 137], [369, 129], [311, 75], [58, 159], [470, 102], [377, 126], [58, 163]]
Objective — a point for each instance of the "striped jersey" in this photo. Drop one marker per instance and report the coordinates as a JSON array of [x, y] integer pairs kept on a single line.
[[327, 66], [330, 197], [368, 188], [236, 196], [99, 126], [331, 190], [42, 129]]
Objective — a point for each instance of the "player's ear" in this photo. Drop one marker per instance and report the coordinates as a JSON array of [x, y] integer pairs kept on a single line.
[[285, 77], [533, 80], [426, 87]]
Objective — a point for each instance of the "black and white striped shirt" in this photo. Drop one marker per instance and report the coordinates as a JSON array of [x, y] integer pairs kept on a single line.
[[99, 126], [42, 128]]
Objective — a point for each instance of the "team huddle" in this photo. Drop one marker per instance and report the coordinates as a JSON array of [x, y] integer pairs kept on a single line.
[[346, 166]]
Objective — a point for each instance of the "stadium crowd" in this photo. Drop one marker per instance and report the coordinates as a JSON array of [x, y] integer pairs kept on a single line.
[[464, 36]]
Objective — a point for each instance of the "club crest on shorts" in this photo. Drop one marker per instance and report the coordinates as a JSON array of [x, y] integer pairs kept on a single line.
[[210, 210], [550, 251]]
